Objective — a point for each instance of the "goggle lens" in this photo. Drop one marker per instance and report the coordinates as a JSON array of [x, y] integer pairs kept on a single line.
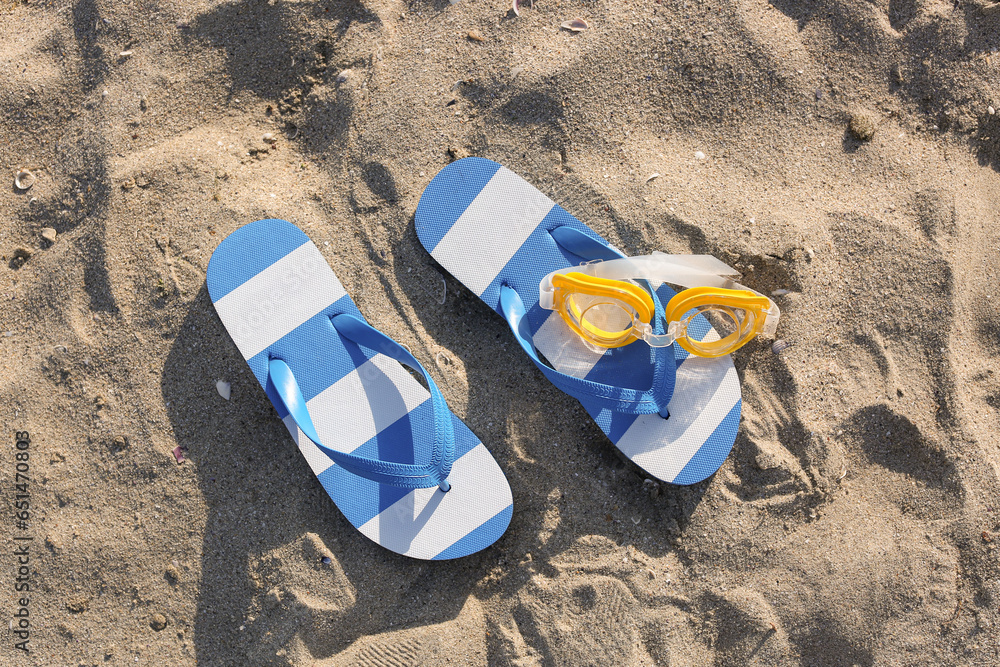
[[735, 327], [602, 321]]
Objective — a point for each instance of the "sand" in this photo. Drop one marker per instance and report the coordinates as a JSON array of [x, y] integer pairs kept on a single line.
[[856, 520]]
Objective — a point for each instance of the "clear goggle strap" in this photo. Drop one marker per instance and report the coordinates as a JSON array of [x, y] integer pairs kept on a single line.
[[771, 316], [683, 270]]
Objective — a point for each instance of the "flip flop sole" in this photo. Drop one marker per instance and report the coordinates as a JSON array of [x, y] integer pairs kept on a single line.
[[489, 227], [275, 294]]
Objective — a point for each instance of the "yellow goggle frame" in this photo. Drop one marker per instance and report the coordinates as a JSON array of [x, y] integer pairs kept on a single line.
[[610, 312]]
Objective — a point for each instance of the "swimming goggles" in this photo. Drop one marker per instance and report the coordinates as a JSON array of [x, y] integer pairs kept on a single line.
[[606, 305]]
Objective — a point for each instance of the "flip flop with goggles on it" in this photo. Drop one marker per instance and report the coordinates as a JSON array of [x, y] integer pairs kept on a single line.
[[402, 468], [673, 413]]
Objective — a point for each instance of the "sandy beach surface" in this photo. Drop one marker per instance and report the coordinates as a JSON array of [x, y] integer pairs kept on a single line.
[[846, 151]]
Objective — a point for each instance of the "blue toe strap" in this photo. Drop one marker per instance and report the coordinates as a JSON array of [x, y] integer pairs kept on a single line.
[[404, 475], [617, 399]]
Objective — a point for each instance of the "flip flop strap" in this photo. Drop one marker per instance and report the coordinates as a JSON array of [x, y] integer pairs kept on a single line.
[[617, 399], [404, 475]]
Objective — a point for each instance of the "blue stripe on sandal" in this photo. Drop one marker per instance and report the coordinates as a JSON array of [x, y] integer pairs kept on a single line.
[[285, 310], [496, 232]]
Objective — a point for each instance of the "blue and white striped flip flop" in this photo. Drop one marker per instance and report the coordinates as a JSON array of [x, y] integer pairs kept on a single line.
[[401, 467], [499, 236]]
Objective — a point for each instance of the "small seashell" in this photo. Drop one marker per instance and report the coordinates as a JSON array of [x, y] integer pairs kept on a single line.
[[23, 179], [652, 176], [576, 25], [224, 388], [49, 234], [990, 110], [780, 346], [698, 155], [442, 359], [344, 76], [179, 453], [516, 6], [475, 36], [779, 292], [444, 290], [126, 53], [326, 560], [269, 138]]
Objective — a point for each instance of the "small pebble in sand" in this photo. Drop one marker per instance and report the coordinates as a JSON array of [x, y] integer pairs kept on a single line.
[[224, 388], [126, 53], [780, 346], [475, 36], [173, 574], [269, 138], [23, 179], [327, 560], [457, 152], [652, 176], [576, 25], [862, 125], [49, 234], [698, 155], [157, 621], [991, 111], [344, 76]]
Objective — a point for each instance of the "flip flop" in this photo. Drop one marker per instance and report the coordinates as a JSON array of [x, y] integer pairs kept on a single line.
[[401, 467], [674, 415]]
